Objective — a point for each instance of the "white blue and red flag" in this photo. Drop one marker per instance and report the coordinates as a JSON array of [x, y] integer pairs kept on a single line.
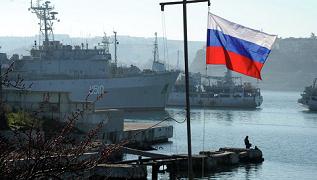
[[241, 49]]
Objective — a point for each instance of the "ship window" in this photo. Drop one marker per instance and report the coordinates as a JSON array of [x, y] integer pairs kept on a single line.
[[204, 95], [224, 95], [236, 95]]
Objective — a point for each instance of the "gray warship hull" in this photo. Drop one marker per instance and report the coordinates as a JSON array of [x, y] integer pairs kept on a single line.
[[88, 74], [144, 92]]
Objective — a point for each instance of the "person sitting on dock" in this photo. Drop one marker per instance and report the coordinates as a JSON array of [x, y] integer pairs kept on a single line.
[[247, 143]]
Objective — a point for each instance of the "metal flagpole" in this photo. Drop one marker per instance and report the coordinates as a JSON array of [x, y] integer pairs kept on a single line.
[[184, 2]]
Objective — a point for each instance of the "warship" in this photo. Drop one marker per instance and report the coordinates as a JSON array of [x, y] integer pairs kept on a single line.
[[309, 96], [227, 91], [82, 71]]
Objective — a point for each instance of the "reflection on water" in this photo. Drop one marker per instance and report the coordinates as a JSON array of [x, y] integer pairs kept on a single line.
[[306, 111], [309, 116], [247, 172], [243, 172], [251, 170], [205, 114], [226, 116]]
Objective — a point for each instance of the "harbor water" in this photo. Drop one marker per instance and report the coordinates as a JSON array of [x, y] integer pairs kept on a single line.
[[285, 131]]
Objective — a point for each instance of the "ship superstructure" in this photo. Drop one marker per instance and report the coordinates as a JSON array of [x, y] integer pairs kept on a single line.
[[214, 91], [309, 96], [81, 70]]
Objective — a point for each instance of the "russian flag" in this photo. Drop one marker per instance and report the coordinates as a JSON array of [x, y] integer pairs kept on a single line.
[[241, 49]]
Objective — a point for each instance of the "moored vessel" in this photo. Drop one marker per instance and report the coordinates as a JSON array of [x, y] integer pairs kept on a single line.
[[227, 91], [309, 96], [83, 71]]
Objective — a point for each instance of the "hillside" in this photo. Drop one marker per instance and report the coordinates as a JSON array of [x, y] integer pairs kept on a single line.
[[131, 50]]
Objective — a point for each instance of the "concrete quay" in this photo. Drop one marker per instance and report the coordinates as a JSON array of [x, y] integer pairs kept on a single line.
[[205, 161], [144, 134]]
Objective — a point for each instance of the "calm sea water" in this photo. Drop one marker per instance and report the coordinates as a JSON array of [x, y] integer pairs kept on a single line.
[[284, 130]]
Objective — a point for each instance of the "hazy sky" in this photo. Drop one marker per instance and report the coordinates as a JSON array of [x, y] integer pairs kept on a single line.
[[84, 18]]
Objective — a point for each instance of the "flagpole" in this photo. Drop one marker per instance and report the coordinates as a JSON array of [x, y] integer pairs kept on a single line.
[[189, 144]]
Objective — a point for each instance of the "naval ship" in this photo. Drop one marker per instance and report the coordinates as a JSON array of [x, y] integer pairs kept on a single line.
[[227, 91], [83, 71], [309, 96]]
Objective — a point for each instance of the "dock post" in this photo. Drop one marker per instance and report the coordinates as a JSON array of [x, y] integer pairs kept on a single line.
[[172, 171], [155, 169]]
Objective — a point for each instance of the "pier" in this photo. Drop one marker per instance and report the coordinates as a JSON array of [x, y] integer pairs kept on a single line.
[[177, 165]]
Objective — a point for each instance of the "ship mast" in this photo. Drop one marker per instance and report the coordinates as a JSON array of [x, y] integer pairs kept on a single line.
[[47, 16], [115, 48], [155, 50], [177, 65]]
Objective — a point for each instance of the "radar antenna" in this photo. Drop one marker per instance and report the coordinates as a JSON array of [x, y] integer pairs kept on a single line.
[[46, 15], [105, 43]]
